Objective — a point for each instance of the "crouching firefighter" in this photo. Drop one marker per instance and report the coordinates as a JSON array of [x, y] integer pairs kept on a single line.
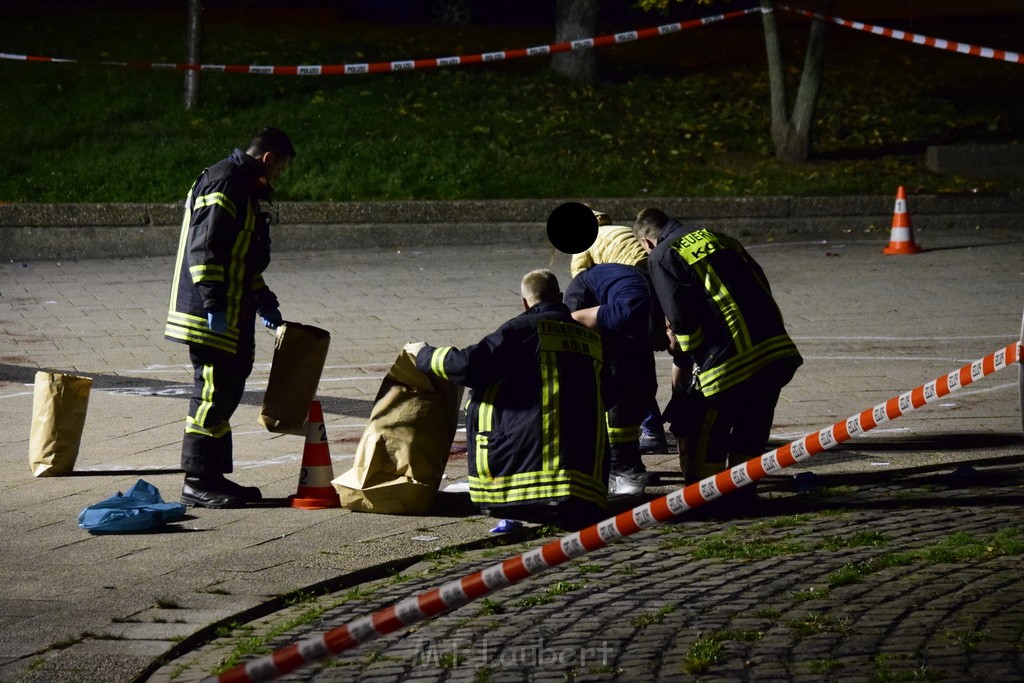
[[535, 421]]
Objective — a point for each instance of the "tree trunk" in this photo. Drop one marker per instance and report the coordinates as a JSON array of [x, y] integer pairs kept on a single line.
[[792, 134], [576, 19], [193, 52]]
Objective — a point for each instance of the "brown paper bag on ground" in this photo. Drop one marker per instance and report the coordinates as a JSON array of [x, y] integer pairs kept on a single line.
[[300, 352], [59, 405], [404, 449]]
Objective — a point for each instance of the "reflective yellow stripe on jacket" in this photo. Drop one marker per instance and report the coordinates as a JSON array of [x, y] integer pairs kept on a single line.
[[193, 328], [484, 425], [437, 361], [235, 283], [693, 248], [750, 357], [527, 486], [738, 368], [217, 199], [553, 480]]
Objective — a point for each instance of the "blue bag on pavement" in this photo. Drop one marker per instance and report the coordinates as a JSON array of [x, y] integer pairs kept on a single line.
[[140, 509]]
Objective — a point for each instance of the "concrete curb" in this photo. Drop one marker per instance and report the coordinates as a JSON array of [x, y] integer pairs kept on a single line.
[[80, 231]]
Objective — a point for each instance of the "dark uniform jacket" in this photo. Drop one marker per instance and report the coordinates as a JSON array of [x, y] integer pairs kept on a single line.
[[535, 420], [720, 306], [624, 320], [223, 249]]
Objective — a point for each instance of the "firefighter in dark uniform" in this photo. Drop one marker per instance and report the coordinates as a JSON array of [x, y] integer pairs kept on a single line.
[[535, 420], [729, 335], [616, 300], [216, 293]]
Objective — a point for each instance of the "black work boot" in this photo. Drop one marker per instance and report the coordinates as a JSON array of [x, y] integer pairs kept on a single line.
[[216, 491]]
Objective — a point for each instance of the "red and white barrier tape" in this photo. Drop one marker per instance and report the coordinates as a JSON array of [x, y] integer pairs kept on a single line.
[[582, 43], [409, 65], [916, 38], [459, 592]]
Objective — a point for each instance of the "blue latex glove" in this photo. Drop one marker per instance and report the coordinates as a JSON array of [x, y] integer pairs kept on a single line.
[[217, 321], [507, 525], [272, 318]]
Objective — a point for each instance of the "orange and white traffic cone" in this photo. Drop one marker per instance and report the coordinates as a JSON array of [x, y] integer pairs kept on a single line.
[[901, 239], [315, 490]]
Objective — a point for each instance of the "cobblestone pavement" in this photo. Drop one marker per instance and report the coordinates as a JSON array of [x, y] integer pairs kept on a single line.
[[914, 577]]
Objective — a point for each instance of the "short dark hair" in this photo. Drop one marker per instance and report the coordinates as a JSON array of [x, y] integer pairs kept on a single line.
[[649, 223], [540, 286], [272, 140]]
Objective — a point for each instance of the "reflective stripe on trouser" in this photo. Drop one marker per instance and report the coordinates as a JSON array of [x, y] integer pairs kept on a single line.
[[635, 385], [219, 382], [624, 436]]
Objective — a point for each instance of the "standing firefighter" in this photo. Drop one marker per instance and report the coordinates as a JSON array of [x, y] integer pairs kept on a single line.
[[216, 293], [730, 335], [535, 421]]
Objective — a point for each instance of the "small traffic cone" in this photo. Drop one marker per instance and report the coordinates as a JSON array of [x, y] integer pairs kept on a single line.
[[315, 490], [901, 240]]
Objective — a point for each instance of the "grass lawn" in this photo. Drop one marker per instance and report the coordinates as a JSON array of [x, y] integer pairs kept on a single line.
[[678, 115]]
